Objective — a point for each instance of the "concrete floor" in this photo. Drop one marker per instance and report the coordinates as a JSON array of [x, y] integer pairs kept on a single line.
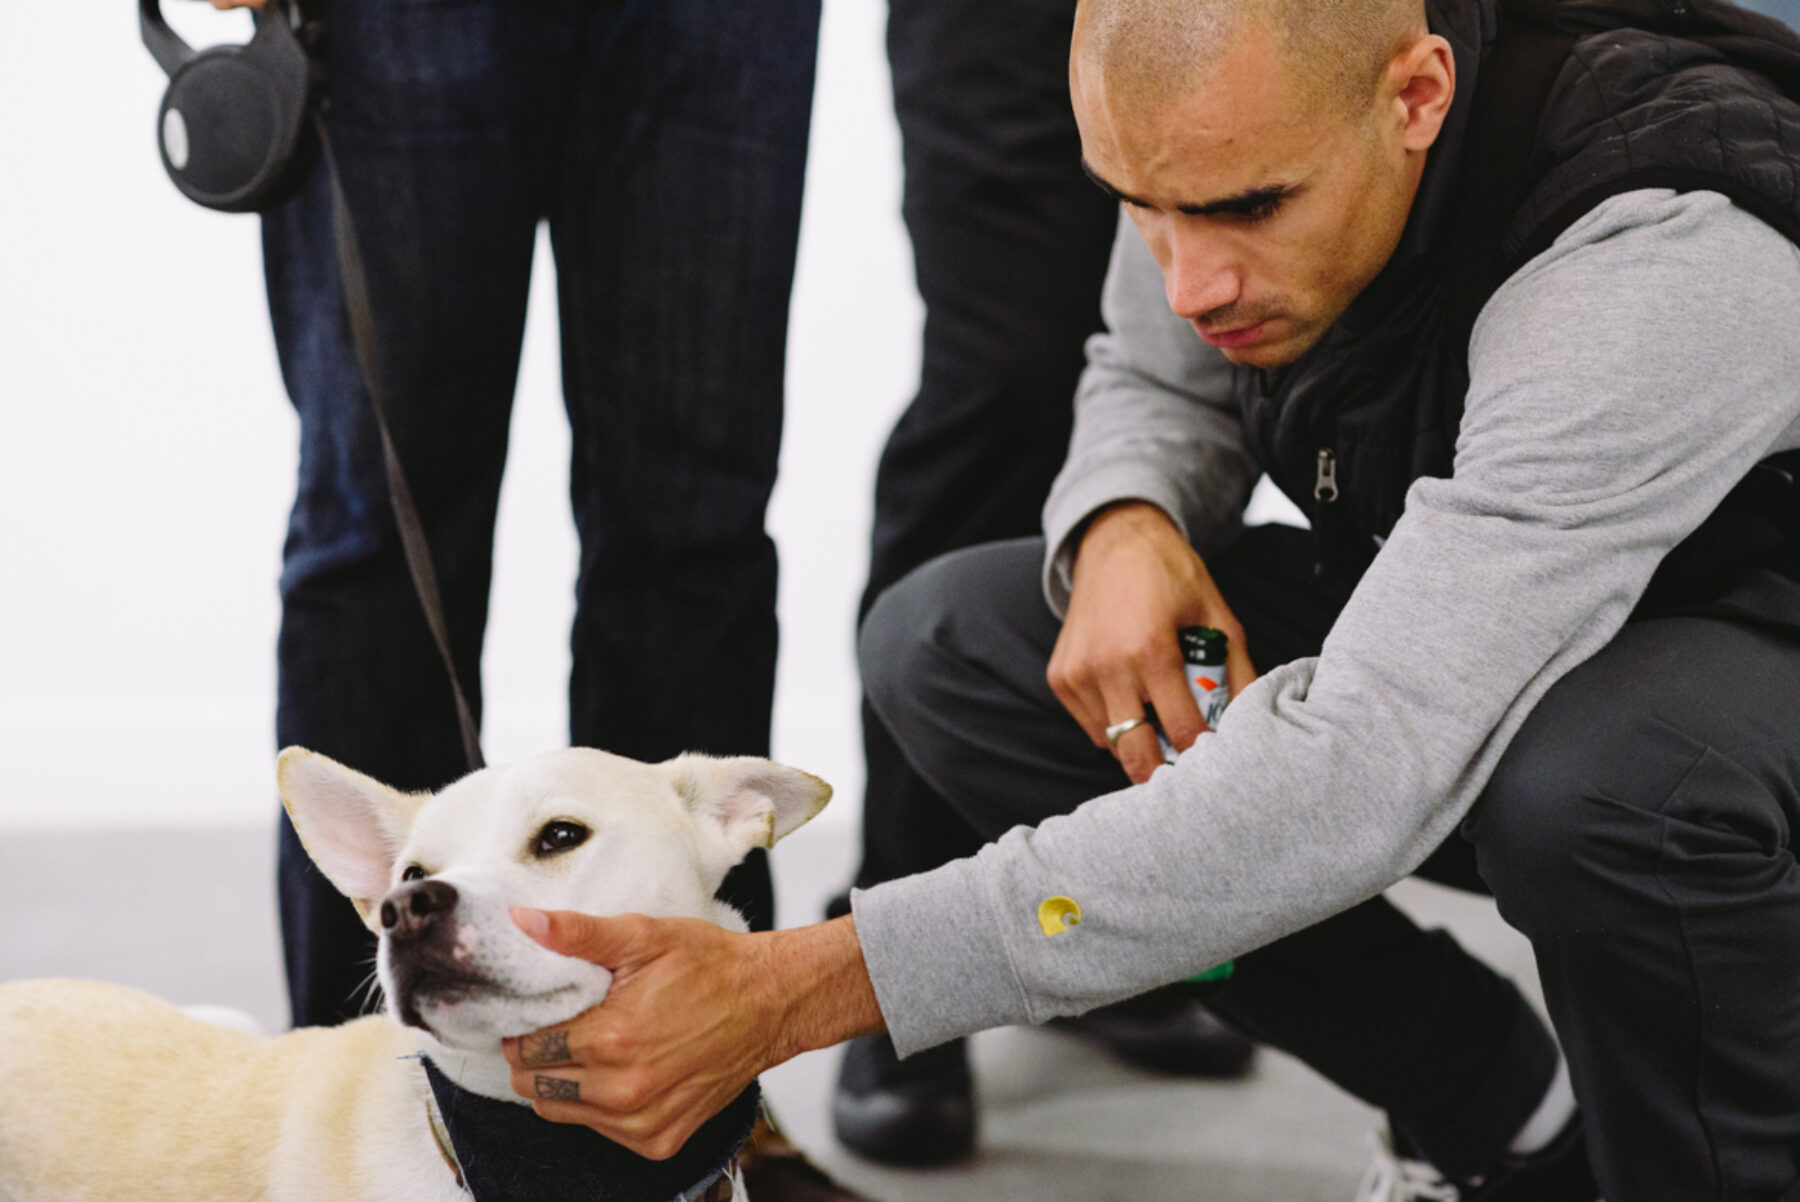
[[189, 915]]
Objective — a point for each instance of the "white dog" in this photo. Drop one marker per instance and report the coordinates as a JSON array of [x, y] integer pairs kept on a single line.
[[109, 1095]]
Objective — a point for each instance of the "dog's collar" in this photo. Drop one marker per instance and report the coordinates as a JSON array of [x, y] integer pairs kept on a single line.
[[441, 1137], [503, 1152]]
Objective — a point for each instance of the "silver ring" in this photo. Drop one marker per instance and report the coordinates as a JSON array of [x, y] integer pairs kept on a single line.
[[1119, 729]]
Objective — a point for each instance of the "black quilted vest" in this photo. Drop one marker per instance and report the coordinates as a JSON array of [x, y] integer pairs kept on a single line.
[[1573, 102]]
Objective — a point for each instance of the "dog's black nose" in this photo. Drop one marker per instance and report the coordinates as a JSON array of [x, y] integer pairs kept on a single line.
[[410, 910]]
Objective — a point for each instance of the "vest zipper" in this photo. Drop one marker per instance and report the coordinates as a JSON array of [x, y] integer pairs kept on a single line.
[[1324, 515], [1325, 486]]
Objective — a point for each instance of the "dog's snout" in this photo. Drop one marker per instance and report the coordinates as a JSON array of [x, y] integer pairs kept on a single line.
[[411, 909]]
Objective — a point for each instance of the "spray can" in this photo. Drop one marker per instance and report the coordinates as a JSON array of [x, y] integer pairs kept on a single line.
[[1203, 658], [1203, 654]]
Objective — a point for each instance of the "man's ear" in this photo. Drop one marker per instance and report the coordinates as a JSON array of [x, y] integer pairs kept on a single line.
[[754, 802], [1423, 78], [351, 825]]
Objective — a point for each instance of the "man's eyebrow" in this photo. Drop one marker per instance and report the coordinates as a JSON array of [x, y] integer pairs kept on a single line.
[[1247, 201], [1100, 183]]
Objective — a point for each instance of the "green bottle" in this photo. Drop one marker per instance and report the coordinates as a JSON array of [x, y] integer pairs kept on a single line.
[[1203, 653]]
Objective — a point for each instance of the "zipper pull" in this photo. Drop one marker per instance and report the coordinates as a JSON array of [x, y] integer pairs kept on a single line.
[[1325, 487]]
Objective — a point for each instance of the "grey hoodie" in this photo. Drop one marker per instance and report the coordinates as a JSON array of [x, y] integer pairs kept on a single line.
[[1621, 383]]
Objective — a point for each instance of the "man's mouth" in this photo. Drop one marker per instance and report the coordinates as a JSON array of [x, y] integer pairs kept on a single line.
[[1233, 339]]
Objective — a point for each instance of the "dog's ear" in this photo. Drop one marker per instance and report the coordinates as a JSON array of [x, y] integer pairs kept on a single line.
[[351, 825], [754, 802]]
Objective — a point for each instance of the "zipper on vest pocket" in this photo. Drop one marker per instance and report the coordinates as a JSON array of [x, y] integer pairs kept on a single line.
[[1325, 486]]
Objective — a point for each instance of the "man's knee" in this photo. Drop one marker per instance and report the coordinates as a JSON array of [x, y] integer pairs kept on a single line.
[[1531, 822], [1572, 817], [927, 632]]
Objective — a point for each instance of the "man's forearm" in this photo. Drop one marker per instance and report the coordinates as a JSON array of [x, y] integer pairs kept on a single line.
[[821, 987]]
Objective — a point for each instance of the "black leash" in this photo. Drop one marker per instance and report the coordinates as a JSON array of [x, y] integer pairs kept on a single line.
[[406, 513]]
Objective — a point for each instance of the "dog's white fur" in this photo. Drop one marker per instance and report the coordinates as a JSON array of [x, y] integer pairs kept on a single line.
[[108, 1094]]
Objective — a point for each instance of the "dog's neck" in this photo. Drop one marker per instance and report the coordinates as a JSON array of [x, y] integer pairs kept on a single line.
[[508, 1153], [480, 1072]]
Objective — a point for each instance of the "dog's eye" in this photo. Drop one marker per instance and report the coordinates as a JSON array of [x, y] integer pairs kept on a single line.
[[413, 873], [560, 836]]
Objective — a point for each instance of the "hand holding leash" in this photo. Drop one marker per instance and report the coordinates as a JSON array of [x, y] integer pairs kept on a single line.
[[694, 1014]]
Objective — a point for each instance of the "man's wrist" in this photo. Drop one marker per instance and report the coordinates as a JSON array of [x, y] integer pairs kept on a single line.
[[1126, 513], [820, 989], [1123, 522]]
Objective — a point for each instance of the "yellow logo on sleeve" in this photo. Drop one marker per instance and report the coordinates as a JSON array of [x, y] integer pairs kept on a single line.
[[1058, 914]]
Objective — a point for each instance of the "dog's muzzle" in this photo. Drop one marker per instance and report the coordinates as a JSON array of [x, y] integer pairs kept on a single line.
[[419, 931], [417, 908]]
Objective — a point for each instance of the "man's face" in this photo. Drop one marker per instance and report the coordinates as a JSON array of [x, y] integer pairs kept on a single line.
[[1268, 214]]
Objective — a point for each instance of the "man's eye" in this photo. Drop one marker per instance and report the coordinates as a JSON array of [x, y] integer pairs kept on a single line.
[[560, 836], [413, 873], [1261, 212]]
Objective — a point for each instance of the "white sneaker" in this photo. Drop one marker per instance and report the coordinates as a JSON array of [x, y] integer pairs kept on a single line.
[[1559, 1173], [1393, 1178]]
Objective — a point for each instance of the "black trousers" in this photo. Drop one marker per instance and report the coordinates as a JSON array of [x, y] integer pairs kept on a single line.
[[1638, 830], [1010, 244]]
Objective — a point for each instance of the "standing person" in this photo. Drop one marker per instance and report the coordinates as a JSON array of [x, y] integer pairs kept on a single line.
[[664, 141], [1010, 244], [1506, 298]]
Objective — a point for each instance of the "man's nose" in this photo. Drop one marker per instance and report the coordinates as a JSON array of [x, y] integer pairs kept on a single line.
[[415, 907], [1200, 277]]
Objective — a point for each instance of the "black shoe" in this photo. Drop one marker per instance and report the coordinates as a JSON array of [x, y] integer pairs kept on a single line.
[[916, 1111], [1165, 1031], [1559, 1173]]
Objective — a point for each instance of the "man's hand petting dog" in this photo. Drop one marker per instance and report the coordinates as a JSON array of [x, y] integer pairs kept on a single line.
[[694, 1013]]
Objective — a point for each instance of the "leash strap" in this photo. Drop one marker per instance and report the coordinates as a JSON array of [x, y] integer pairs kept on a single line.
[[406, 514]]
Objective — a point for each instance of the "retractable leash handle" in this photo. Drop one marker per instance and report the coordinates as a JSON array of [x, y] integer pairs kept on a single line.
[[166, 46], [233, 127]]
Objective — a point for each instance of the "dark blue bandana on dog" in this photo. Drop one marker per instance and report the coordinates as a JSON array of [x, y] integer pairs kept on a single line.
[[509, 1154]]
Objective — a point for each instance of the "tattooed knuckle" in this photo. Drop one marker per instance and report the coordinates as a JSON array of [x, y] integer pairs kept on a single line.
[[547, 1047], [557, 1089]]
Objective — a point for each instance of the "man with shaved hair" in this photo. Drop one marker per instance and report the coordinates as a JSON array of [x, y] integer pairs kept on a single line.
[[1508, 302]]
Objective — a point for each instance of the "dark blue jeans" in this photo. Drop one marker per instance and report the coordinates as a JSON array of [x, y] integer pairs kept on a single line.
[[665, 143]]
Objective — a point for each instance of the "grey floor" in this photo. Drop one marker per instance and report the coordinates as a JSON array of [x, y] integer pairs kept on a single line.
[[190, 916]]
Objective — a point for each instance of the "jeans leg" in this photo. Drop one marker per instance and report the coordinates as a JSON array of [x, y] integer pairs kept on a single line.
[[434, 118], [1010, 243], [954, 659], [1639, 831], [675, 222]]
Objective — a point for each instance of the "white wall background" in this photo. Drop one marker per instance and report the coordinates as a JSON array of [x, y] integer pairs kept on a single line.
[[147, 449]]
